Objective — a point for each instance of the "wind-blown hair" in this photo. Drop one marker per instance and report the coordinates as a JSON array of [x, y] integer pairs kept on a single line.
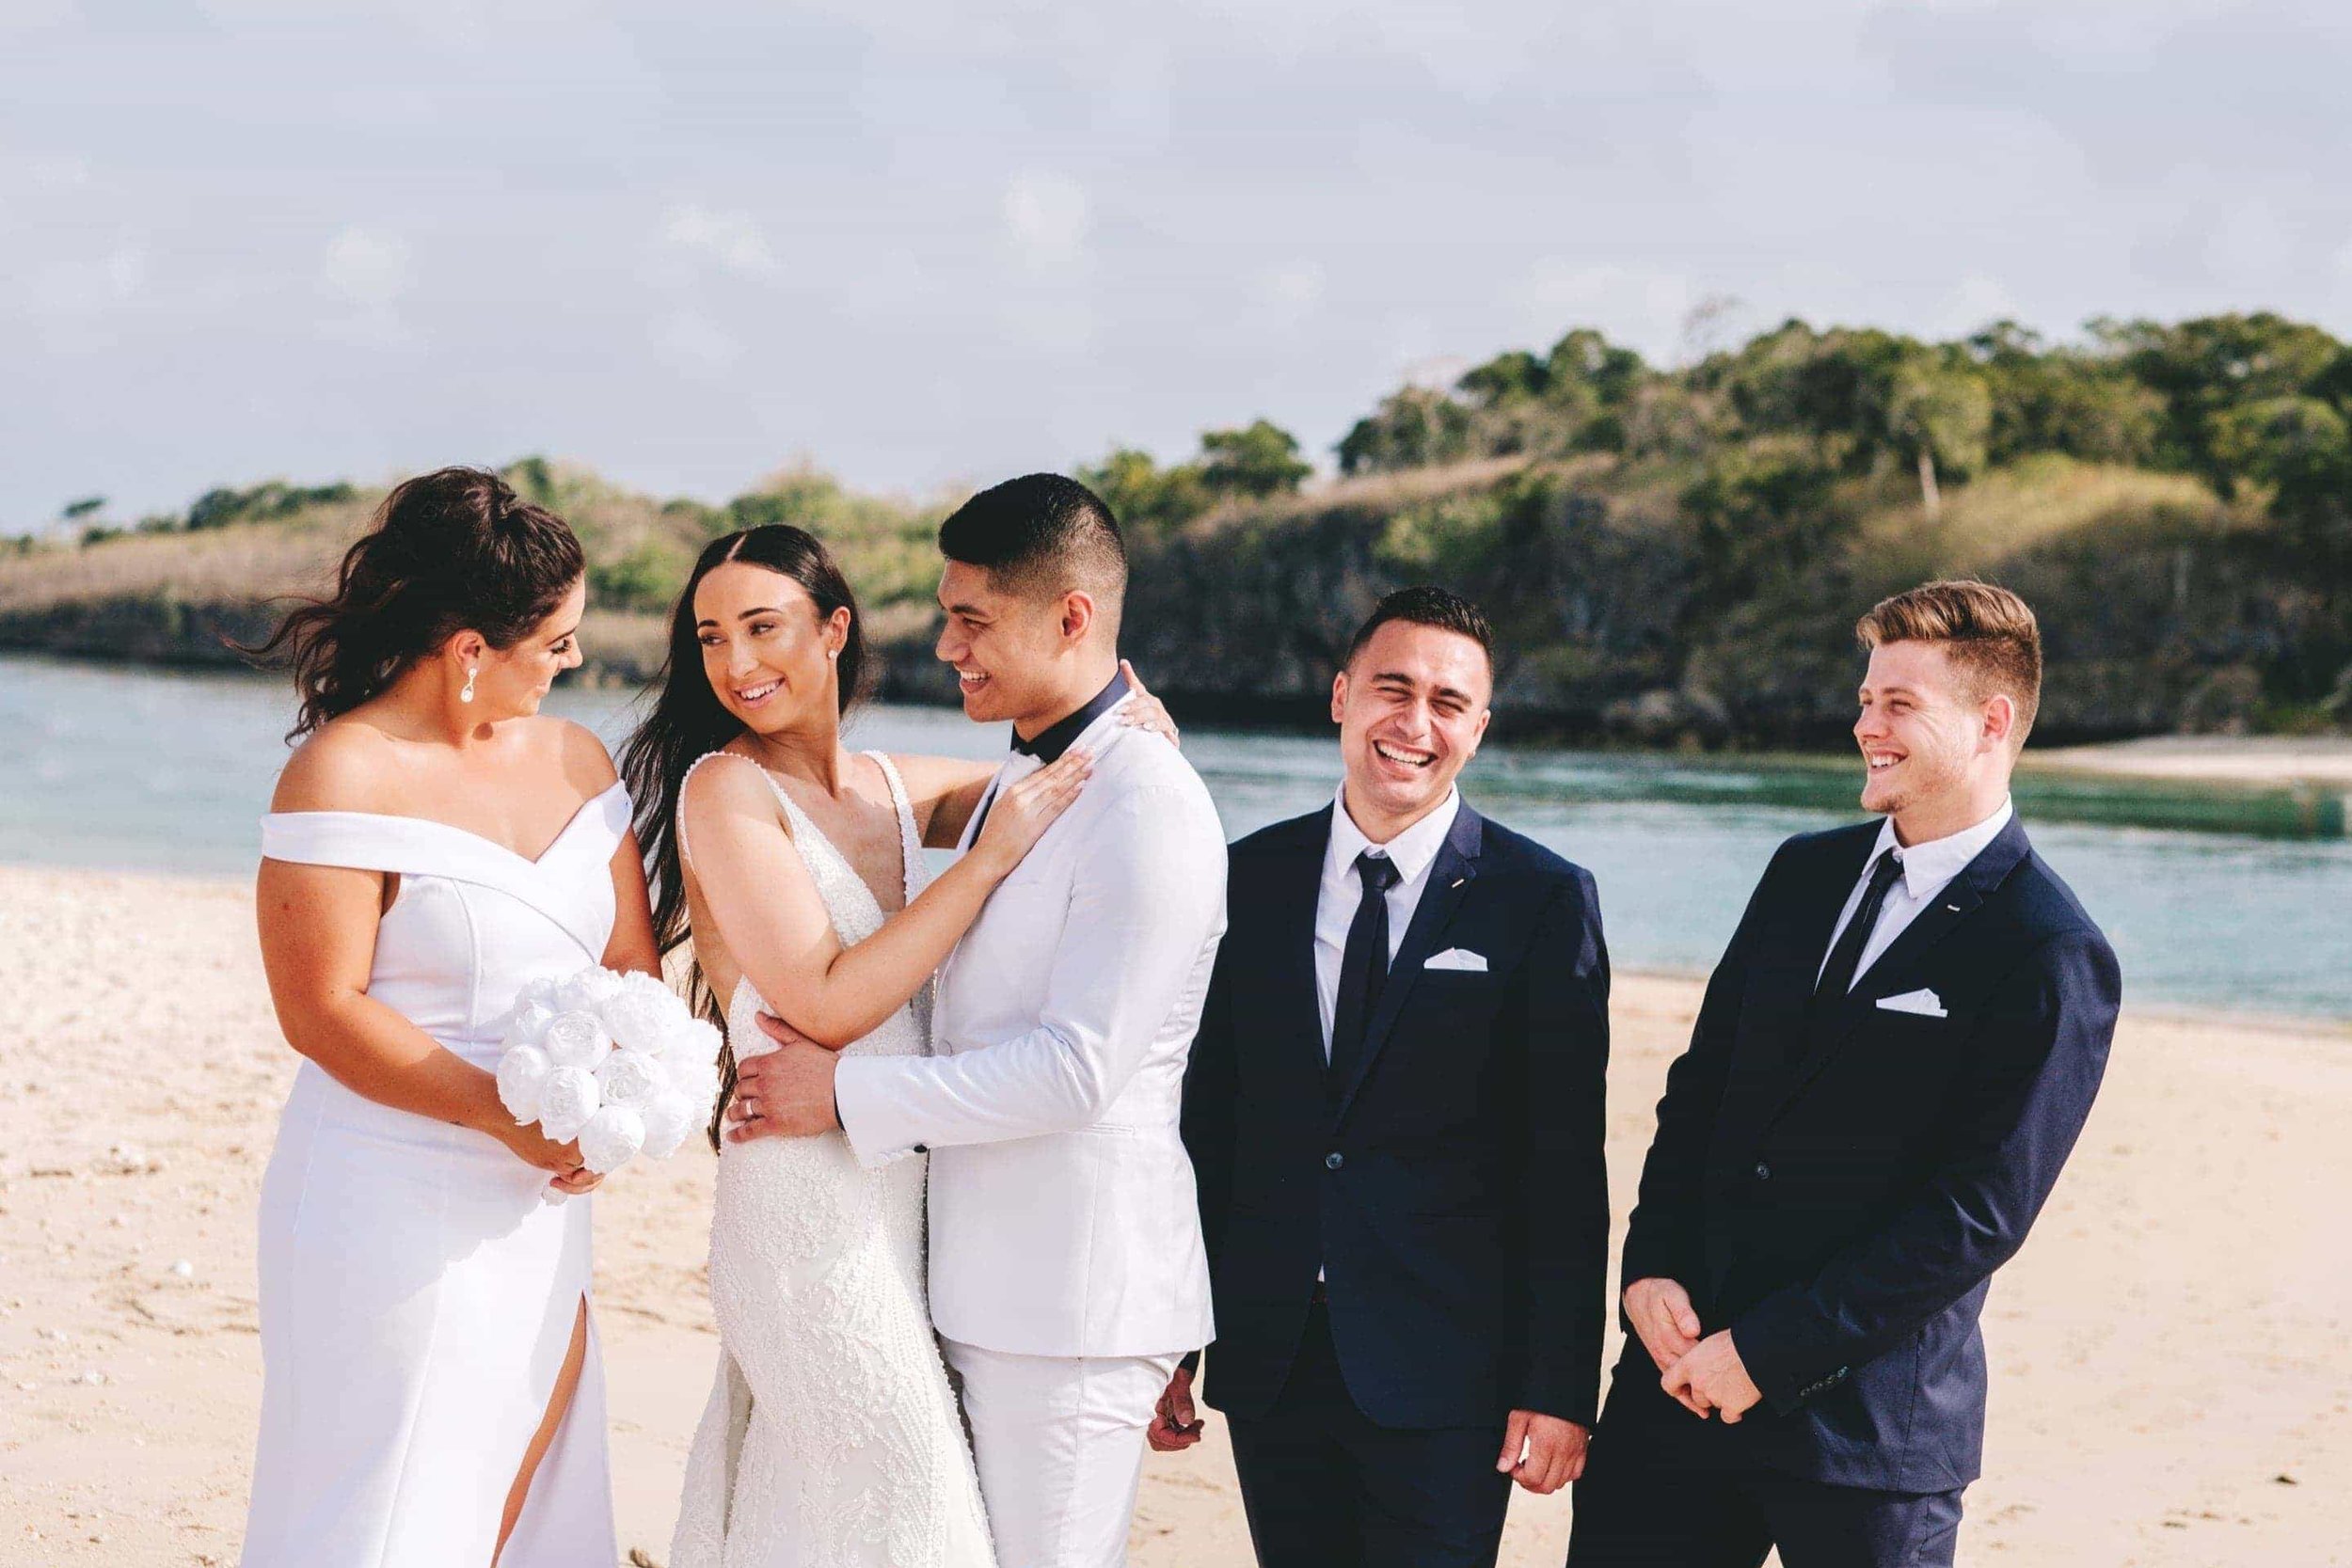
[[448, 551], [686, 722]]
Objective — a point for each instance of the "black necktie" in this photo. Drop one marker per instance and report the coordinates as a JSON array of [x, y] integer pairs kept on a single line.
[[1363, 966], [1837, 974]]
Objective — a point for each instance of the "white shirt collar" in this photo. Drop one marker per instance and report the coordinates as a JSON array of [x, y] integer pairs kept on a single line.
[[1410, 851], [1926, 867]]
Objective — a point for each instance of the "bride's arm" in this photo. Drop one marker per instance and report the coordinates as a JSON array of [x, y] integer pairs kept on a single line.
[[774, 922], [945, 792]]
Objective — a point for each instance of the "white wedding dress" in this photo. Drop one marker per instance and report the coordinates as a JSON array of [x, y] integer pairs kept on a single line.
[[417, 1298], [832, 1438]]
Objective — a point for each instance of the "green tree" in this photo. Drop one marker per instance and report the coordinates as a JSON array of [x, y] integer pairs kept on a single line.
[[1258, 460], [1414, 427], [1141, 494], [75, 511], [1941, 414]]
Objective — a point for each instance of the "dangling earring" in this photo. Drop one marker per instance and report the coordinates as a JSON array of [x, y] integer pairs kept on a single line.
[[466, 695]]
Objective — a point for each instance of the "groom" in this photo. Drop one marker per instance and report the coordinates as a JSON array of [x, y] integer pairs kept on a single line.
[[1892, 1062], [1067, 1273]]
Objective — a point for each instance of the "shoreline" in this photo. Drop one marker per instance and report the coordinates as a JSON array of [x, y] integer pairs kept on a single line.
[[2252, 763], [2332, 1027], [2164, 1349]]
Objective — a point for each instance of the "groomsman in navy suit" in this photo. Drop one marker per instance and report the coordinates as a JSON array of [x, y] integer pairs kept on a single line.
[[1893, 1060], [1394, 1111]]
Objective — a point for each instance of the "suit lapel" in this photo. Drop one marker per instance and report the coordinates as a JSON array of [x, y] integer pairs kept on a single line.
[[1952, 907], [1780, 986], [1296, 886], [1450, 878]]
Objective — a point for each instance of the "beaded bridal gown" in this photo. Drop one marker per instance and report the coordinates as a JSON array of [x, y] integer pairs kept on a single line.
[[831, 1439]]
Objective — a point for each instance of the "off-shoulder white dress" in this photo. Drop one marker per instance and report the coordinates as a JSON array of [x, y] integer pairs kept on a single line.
[[417, 1296], [831, 1439]]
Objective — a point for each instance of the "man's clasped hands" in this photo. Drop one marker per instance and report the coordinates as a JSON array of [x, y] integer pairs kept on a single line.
[[1705, 1375]]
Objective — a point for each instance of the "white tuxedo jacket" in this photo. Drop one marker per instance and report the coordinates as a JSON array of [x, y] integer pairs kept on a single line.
[[1063, 1216]]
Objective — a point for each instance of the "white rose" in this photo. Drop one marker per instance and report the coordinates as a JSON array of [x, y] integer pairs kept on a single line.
[[631, 1078], [587, 991], [695, 1042], [696, 1083], [669, 1120], [575, 1040], [522, 1075], [639, 1019], [528, 1023], [541, 991], [611, 1136], [566, 1101]]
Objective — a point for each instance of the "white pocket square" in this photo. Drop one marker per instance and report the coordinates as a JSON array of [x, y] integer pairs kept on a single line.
[[1459, 957], [1924, 1003]]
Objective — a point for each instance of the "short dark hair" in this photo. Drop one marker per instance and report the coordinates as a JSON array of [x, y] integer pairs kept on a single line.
[[1426, 605], [1041, 535]]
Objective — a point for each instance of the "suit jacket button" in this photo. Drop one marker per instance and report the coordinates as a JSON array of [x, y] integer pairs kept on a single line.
[[1334, 1160], [1763, 1171]]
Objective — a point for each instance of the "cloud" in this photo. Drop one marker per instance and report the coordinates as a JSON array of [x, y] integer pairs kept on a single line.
[[729, 238], [365, 268], [695, 345], [1295, 285], [365, 272], [1045, 220]]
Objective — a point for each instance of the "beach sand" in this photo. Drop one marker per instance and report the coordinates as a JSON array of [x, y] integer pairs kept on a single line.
[[2172, 1352]]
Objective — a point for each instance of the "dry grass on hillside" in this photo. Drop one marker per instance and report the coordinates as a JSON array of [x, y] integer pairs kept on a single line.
[[247, 561]]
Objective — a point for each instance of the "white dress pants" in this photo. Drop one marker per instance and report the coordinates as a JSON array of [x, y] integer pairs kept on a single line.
[[1058, 1441]]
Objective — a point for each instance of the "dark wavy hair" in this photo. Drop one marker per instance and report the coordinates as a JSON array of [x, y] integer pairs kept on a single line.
[[448, 551], [686, 723]]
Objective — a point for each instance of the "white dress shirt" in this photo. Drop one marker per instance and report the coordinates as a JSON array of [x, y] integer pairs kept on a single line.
[[1412, 852], [1927, 870], [1063, 1215]]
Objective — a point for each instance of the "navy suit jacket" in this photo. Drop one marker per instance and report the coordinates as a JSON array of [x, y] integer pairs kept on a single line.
[[1838, 1188], [1453, 1189]]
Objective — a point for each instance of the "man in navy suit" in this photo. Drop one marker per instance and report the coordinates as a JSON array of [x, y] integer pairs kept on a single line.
[[1891, 1065], [1394, 1111]]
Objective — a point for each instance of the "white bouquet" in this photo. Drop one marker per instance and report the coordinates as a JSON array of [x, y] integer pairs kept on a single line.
[[615, 1061]]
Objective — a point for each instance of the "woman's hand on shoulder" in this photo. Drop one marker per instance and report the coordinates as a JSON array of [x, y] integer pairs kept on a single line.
[[1024, 810], [1143, 711]]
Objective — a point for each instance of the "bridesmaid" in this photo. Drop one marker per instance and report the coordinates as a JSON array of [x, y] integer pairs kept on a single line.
[[432, 1394]]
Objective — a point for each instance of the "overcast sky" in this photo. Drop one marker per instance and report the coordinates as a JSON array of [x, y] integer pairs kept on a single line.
[[954, 239]]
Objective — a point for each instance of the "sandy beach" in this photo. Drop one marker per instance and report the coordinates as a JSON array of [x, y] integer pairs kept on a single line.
[[2172, 1384], [2318, 762]]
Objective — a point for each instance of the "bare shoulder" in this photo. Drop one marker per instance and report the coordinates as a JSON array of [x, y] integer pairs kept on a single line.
[[726, 783], [342, 765], [577, 749]]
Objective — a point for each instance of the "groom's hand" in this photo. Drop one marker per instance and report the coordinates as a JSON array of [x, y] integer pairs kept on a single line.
[[1175, 1423], [787, 1093], [1713, 1376]]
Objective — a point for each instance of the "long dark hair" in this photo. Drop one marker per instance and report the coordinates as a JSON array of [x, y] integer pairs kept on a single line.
[[686, 723], [447, 551]]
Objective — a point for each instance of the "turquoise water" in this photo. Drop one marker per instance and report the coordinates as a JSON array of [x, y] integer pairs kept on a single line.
[[2210, 896]]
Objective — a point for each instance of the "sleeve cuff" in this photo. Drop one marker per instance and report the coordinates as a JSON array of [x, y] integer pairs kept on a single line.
[[862, 1102], [1775, 1341]]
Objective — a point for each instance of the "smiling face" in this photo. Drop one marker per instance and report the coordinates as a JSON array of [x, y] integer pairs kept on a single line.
[[1008, 648], [769, 655], [1411, 708], [1936, 750], [512, 681]]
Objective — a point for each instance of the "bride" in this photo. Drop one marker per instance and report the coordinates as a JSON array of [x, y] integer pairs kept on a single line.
[[830, 1436]]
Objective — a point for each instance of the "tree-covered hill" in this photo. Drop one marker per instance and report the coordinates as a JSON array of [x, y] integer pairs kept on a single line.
[[1671, 554]]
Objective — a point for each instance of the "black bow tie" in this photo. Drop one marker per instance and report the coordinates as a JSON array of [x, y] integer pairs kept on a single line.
[[1056, 738]]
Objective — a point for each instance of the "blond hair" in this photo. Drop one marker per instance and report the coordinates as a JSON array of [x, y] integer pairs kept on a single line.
[[1990, 633]]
